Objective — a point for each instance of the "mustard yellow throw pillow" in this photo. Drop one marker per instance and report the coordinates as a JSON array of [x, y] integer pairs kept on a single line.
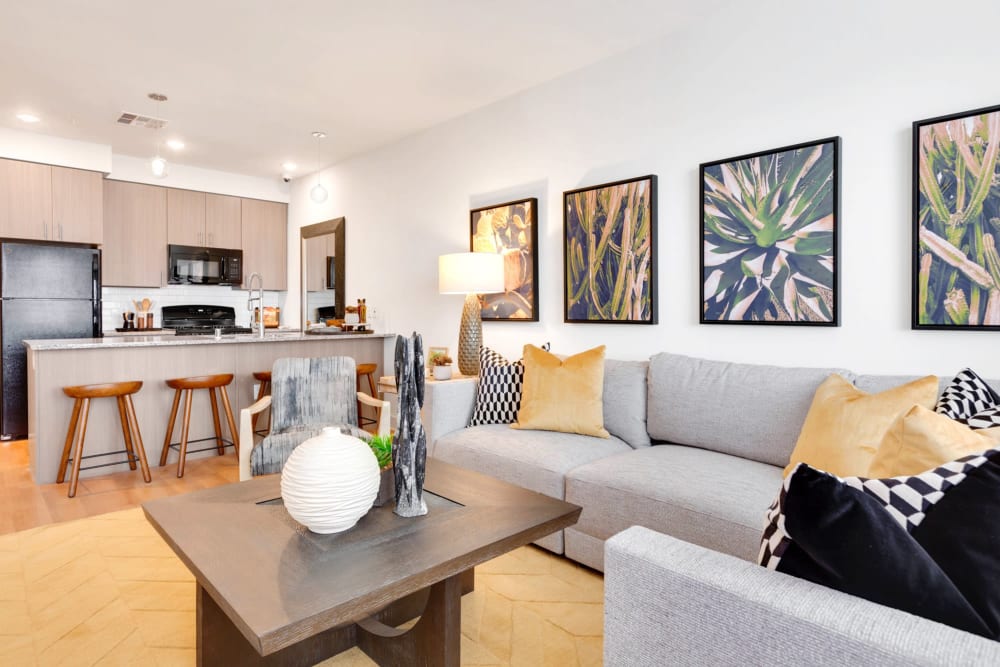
[[845, 425], [563, 394], [920, 440]]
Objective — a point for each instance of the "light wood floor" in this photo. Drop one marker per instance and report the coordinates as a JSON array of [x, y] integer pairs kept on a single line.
[[24, 504]]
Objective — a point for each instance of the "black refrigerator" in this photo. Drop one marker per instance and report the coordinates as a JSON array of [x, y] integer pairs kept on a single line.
[[46, 291]]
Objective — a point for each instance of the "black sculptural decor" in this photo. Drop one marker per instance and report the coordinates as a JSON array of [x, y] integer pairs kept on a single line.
[[409, 449]]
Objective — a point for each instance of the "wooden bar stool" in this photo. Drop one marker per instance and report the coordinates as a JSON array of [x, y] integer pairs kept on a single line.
[[264, 389], [82, 394], [367, 370], [186, 386]]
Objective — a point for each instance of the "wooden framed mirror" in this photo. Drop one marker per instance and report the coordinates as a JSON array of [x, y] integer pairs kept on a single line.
[[322, 258]]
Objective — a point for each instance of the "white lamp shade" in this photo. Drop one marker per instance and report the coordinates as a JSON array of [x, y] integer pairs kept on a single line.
[[470, 273]]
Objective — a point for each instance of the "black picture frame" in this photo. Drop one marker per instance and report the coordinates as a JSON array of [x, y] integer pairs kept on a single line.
[[955, 266], [520, 267], [608, 276], [809, 279]]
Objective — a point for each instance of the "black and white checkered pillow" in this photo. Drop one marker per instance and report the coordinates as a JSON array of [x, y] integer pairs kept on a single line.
[[969, 400], [498, 397]]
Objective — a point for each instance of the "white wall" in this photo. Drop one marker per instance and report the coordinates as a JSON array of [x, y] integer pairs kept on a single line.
[[761, 75], [136, 170], [34, 147]]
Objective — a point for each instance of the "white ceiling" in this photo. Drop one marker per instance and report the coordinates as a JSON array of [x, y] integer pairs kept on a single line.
[[248, 81]]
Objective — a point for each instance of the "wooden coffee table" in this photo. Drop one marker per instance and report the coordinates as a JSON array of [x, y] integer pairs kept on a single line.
[[272, 593]]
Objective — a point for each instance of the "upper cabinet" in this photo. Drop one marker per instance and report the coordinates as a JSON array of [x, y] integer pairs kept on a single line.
[[265, 240], [28, 191], [45, 203], [185, 217], [135, 234], [200, 219], [223, 223], [77, 205]]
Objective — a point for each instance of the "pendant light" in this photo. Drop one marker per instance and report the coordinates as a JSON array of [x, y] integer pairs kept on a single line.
[[158, 165], [318, 193]]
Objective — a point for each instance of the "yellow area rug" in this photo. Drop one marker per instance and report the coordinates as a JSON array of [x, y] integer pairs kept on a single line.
[[108, 591]]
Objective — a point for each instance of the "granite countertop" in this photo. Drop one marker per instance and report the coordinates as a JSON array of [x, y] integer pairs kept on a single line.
[[172, 341]]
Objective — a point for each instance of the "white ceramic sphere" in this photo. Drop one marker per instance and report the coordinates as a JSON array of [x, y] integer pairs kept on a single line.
[[330, 481]]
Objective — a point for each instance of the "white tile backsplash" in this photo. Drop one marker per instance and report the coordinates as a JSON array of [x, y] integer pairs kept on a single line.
[[117, 300]]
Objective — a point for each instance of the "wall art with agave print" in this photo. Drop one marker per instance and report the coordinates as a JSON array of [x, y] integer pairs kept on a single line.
[[769, 224], [510, 230], [609, 252], [956, 218]]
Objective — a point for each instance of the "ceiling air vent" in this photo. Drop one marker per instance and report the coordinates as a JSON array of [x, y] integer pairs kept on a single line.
[[138, 120]]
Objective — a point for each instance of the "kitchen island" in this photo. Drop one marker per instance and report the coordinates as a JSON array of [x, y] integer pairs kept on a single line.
[[54, 364]]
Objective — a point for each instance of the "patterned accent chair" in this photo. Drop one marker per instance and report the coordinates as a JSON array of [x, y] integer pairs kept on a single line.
[[306, 396]]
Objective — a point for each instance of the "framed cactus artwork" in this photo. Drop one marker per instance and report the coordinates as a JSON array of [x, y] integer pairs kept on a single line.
[[769, 236], [956, 221], [609, 253], [510, 230]]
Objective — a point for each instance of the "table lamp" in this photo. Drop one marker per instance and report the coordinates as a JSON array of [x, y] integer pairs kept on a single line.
[[472, 274]]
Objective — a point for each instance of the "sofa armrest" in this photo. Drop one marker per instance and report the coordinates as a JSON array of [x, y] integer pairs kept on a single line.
[[671, 602], [448, 407]]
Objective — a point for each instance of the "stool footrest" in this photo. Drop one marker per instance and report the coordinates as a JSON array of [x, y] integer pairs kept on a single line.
[[128, 458], [176, 446]]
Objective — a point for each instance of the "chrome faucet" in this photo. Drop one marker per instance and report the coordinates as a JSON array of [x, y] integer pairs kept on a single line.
[[259, 299]]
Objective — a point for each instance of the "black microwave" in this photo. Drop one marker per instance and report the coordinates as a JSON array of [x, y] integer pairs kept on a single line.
[[193, 265]]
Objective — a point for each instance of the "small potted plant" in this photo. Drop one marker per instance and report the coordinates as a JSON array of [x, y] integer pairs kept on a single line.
[[442, 367], [382, 448]]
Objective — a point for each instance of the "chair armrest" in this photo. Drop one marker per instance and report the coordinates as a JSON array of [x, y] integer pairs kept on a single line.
[[383, 412], [670, 602], [448, 407], [246, 434]]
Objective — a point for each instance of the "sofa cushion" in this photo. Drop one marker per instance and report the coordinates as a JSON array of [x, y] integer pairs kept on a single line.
[[845, 425], [748, 410], [970, 400], [625, 400], [920, 439], [924, 544], [704, 497], [536, 460], [564, 395], [498, 394]]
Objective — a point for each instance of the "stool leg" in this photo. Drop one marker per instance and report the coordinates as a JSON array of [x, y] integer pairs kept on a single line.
[[185, 426], [125, 433], [78, 446], [69, 441], [137, 437], [170, 428], [261, 393], [232, 422], [215, 422], [269, 409], [374, 394]]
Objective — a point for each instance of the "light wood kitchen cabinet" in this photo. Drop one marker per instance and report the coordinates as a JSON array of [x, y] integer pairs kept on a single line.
[[202, 219], [77, 206], [135, 234], [223, 224], [265, 242], [185, 217], [28, 191]]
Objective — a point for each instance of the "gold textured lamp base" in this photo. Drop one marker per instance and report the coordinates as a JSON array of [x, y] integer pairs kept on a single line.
[[470, 336]]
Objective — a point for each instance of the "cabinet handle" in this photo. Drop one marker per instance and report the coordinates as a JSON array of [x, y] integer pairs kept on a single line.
[[45, 230], [60, 232]]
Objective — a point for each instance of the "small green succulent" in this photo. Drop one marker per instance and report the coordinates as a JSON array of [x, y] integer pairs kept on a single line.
[[382, 448]]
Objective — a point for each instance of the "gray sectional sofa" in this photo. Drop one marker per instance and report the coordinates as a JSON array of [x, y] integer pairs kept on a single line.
[[695, 458]]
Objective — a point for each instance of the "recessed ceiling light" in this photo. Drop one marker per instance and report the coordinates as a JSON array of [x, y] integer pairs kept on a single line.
[[28, 118], [175, 144], [289, 166]]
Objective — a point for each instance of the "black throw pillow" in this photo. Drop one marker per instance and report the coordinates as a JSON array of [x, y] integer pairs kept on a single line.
[[926, 544], [498, 396]]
